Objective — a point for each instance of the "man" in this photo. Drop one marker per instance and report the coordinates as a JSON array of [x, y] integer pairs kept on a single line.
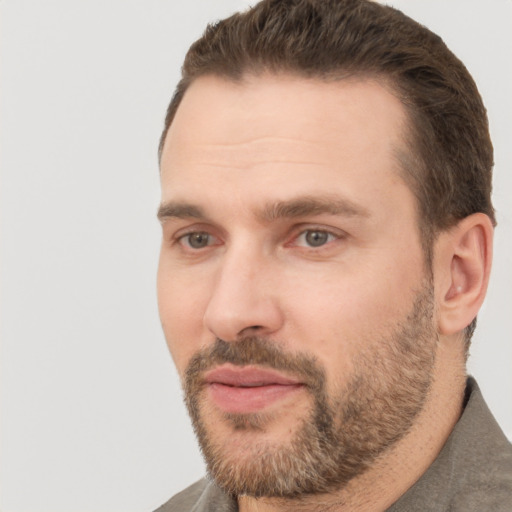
[[327, 243]]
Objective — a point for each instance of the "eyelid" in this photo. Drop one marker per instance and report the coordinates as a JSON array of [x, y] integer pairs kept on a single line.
[[330, 238], [301, 230], [181, 229], [297, 231], [187, 234], [180, 235]]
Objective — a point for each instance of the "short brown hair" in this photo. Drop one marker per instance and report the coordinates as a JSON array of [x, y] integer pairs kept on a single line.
[[449, 156], [450, 166]]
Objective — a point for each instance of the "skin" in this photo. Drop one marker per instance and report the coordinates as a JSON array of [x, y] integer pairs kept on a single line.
[[234, 152]]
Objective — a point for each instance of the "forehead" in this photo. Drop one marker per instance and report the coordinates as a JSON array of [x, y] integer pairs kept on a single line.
[[267, 131]]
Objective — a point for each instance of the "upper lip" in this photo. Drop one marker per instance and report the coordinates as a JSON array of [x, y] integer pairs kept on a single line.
[[247, 376]]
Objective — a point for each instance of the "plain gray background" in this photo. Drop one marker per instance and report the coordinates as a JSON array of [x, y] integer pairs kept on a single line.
[[92, 418]]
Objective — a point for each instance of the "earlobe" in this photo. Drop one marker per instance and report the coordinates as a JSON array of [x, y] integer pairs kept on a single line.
[[466, 255]]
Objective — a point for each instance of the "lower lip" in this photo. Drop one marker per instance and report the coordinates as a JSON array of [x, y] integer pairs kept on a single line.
[[245, 400]]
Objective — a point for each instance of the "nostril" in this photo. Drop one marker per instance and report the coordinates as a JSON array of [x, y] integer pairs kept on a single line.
[[250, 329]]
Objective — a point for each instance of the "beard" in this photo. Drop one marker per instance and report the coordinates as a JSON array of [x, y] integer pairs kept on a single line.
[[341, 435]]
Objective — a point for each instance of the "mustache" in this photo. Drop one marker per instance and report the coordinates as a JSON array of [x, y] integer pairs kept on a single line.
[[258, 351]]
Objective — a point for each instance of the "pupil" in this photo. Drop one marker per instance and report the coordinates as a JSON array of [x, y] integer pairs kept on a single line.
[[198, 240], [316, 238]]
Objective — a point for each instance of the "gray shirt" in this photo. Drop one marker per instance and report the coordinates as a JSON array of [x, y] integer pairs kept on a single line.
[[473, 472]]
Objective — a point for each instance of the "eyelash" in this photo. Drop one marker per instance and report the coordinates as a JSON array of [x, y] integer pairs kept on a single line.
[[330, 237], [183, 239]]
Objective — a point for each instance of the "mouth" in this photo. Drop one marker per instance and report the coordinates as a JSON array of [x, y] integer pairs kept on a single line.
[[247, 389]]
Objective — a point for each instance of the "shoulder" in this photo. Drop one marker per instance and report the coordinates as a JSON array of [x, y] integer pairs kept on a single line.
[[483, 456], [186, 499], [203, 496], [483, 459], [473, 472]]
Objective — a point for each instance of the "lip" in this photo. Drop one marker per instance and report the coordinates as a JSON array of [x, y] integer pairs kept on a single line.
[[247, 376], [248, 389]]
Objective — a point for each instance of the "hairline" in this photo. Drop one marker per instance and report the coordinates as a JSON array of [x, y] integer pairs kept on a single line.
[[406, 154]]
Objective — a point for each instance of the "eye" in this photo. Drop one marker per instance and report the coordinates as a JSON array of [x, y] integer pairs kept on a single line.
[[197, 240], [315, 238]]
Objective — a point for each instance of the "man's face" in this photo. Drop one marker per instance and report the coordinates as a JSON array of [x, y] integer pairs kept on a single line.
[[292, 286]]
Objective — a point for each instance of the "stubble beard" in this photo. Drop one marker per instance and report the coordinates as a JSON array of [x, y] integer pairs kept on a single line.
[[342, 435]]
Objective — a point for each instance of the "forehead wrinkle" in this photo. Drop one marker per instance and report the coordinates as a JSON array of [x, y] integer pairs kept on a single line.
[[245, 153], [309, 206]]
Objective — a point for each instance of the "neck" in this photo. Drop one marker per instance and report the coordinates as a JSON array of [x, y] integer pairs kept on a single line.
[[403, 464]]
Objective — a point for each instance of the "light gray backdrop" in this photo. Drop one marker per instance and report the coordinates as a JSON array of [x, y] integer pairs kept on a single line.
[[92, 418]]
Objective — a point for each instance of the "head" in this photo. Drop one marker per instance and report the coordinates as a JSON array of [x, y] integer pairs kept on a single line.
[[313, 155], [449, 160]]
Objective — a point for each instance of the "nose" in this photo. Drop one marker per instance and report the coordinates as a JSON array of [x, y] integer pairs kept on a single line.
[[244, 300]]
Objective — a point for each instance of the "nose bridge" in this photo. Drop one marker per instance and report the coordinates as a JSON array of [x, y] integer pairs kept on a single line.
[[242, 298]]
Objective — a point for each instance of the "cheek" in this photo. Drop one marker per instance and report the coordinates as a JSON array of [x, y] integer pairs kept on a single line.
[[340, 316], [181, 315]]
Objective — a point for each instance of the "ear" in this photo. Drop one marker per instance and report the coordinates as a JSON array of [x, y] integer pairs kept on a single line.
[[462, 268]]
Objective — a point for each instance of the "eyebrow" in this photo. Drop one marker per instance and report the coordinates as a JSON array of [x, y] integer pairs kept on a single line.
[[311, 205], [172, 209], [291, 209]]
